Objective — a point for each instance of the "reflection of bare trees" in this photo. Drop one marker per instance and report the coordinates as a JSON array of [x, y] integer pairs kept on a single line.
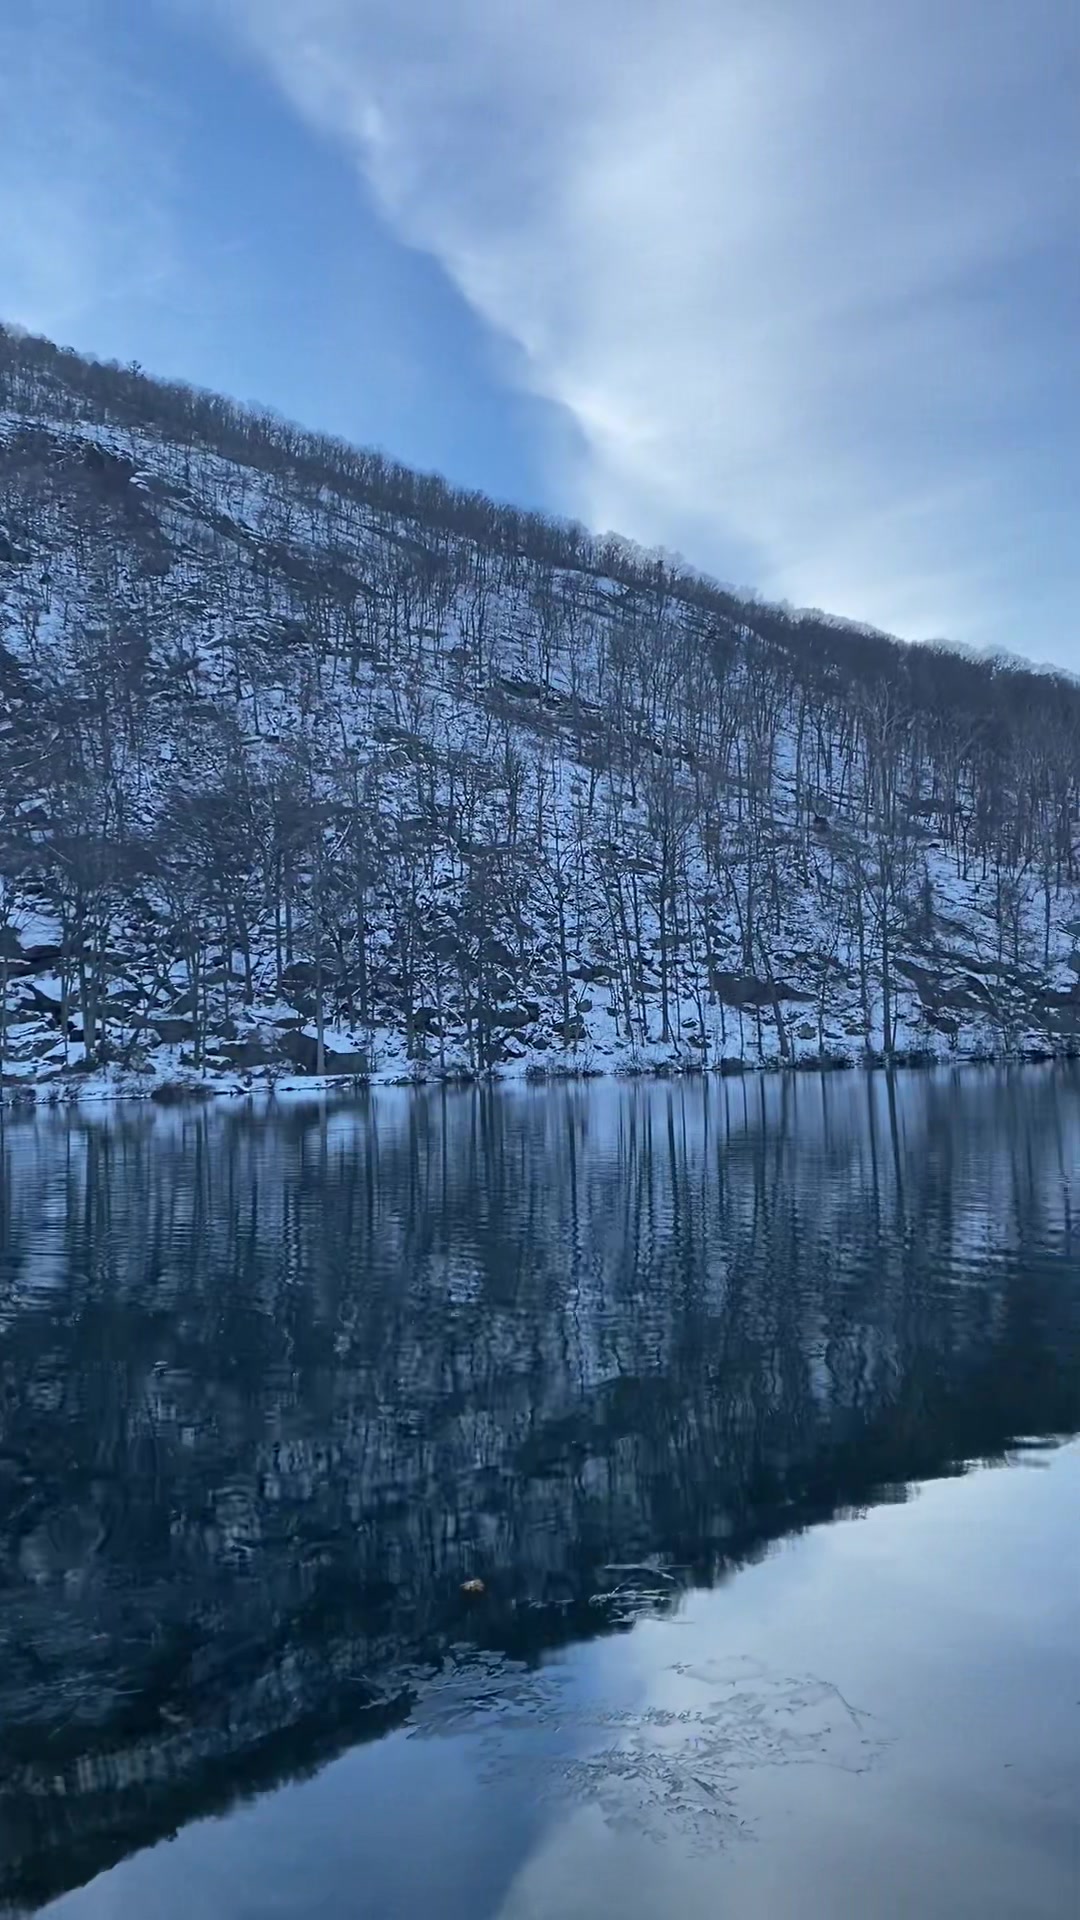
[[273, 1387]]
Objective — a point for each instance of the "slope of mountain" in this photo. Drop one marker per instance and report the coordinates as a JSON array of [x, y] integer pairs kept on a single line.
[[310, 764]]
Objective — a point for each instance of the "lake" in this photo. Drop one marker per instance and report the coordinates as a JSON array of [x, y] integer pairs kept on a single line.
[[602, 1499]]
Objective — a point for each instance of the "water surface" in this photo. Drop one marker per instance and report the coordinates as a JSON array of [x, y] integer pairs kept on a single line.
[[748, 1403]]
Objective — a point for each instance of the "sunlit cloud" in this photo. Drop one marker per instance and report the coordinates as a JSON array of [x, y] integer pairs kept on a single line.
[[767, 259]]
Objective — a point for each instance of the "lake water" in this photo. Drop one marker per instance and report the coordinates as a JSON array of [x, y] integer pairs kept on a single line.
[[749, 1405]]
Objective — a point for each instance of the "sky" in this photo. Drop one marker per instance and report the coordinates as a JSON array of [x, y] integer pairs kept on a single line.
[[788, 287]]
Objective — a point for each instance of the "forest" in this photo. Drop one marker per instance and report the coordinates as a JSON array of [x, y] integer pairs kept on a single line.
[[312, 765]]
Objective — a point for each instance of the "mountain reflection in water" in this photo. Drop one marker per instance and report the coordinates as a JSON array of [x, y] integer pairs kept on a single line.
[[277, 1384]]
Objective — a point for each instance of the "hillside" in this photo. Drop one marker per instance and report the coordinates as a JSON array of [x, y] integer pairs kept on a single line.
[[311, 765]]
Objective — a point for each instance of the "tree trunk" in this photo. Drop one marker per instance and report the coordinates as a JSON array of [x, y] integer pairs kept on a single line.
[[320, 1020]]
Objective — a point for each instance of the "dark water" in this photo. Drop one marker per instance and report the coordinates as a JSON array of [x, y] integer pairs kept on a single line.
[[750, 1406]]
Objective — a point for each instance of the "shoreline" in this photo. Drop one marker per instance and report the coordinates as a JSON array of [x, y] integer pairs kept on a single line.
[[109, 1087]]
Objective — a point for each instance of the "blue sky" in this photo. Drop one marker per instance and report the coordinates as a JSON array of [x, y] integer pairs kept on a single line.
[[792, 289]]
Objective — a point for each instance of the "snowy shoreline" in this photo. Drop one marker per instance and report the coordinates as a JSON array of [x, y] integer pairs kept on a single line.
[[109, 1086]]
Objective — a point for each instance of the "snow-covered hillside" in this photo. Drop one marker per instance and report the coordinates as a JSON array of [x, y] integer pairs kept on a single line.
[[310, 766]]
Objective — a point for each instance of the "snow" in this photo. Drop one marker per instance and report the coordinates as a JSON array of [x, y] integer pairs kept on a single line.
[[430, 710]]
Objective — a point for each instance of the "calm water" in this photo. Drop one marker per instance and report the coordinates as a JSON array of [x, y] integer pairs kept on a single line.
[[750, 1406]]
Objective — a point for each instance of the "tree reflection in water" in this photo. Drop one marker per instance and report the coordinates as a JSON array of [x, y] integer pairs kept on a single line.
[[277, 1385]]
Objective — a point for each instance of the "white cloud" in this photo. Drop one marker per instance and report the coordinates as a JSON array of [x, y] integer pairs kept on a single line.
[[83, 226], [765, 256]]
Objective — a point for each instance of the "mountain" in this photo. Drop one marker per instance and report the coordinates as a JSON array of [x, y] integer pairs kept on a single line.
[[312, 764]]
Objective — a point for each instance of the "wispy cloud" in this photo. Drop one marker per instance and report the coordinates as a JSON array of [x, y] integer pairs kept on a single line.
[[83, 186], [770, 258]]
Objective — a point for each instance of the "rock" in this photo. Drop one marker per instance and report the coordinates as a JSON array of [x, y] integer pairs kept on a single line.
[[249, 1053], [45, 1003], [124, 1001], [518, 689], [112, 467], [44, 953], [16, 1090], [357, 1064], [299, 978], [301, 1049], [1062, 1002], [38, 1048], [746, 990], [171, 1032], [496, 952]]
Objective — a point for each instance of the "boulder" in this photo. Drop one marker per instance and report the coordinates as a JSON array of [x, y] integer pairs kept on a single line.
[[39, 1048], [300, 1048], [47, 1003], [303, 1050], [299, 978], [746, 990], [356, 1063], [43, 953], [172, 1032], [249, 1053], [509, 1018]]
